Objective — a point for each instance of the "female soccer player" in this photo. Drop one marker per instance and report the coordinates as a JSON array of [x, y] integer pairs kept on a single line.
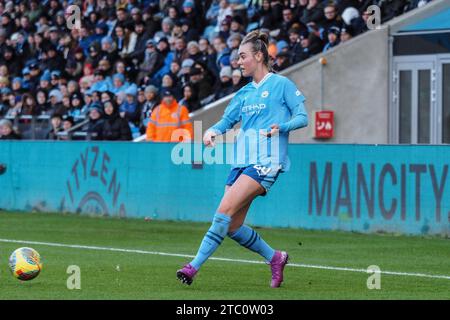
[[269, 108]]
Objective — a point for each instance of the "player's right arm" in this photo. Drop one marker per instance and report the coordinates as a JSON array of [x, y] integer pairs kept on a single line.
[[231, 116]]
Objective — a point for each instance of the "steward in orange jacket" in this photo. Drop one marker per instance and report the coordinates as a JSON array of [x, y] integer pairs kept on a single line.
[[169, 122]]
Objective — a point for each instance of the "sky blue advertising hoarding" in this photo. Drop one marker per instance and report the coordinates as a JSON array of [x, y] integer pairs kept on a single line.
[[363, 188]]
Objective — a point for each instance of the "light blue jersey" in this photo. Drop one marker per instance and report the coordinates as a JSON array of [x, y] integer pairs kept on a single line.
[[274, 100]]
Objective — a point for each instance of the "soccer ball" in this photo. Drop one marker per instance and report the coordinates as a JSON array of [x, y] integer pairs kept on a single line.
[[25, 264]]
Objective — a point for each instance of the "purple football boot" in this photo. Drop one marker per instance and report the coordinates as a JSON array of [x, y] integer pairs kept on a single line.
[[186, 274], [279, 260]]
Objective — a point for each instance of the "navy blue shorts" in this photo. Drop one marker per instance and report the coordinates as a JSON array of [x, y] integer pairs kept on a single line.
[[265, 176]]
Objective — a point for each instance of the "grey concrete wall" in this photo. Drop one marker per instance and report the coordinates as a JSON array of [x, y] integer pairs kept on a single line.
[[355, 87]]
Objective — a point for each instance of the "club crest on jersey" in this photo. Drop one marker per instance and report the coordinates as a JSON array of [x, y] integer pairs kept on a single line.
[[298, 93], [265, 94]]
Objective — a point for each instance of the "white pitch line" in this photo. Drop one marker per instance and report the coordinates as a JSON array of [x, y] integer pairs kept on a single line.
[[62, 245]]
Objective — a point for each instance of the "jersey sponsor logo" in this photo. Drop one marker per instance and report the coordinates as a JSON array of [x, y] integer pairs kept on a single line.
[[265, 94], [253, 109]]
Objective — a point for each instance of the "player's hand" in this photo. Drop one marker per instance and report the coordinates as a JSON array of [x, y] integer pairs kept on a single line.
[[275, 129], [208, 138]]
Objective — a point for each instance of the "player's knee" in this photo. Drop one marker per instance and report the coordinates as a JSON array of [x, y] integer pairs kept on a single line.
[[227, 208]]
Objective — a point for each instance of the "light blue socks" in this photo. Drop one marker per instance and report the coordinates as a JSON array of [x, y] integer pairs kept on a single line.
[[213, 238], [249, 238]]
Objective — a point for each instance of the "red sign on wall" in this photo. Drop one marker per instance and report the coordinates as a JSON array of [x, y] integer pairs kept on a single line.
[[324, 124]]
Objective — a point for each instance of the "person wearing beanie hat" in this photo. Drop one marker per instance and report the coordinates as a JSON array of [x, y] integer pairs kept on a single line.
[[151, 89], [94, 128], [282, 46], [236, 73], [76, 102], [94, 54], [346, 33], [191, 15], [225, 87], [129, 107], [167, 92], [7, 131], [55, 96], [119, 84], [151, 101], [108, 49], [131, 91], [119, 77], [301, 48], [166, 30], [225, 72], [282, 61], [46, 76], [234, 58], [17, 84], [189, 4], [187, 63], [55, 74], [234, 40], [237, 79], [193, 50], [107, 39], [26, 71], [333, 38], [224, 60]]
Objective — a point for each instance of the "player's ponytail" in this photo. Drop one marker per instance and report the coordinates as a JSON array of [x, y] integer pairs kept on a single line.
[[260, 43]]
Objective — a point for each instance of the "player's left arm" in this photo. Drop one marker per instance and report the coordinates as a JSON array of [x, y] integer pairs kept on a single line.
[[295, 101]]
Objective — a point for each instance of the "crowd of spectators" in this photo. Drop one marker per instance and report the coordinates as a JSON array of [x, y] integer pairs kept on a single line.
[[115, 67]]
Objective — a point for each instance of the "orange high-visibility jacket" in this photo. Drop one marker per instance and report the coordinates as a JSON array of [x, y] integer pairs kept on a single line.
[[165, 119]]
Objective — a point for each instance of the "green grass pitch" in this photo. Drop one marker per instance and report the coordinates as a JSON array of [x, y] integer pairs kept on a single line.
[[131, 275]]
